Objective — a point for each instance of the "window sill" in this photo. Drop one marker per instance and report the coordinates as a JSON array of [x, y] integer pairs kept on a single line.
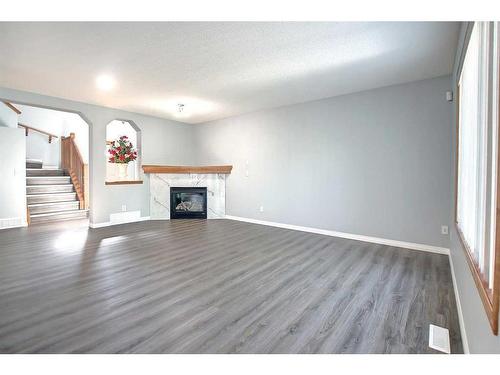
[[124, 182]]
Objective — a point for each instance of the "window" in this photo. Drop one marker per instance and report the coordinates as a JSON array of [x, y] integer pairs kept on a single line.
[[123, 167], [477, 164]]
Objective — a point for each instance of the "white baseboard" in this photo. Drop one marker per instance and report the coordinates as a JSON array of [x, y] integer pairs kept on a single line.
[[109, 223], [13, 222], [357, 237], [461, 322]]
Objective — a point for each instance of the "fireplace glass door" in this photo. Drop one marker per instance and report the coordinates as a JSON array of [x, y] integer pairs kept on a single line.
[[188, 202]]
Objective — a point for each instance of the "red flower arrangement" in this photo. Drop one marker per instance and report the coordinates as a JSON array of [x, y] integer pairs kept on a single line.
[[122, 151]]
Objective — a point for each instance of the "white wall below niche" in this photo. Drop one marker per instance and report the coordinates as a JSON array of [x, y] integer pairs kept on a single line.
[[160, 184]]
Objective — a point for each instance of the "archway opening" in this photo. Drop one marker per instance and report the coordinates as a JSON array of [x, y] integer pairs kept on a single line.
[[51, 165]]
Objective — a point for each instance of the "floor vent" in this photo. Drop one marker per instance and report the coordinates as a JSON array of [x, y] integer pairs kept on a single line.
[[439, 339]]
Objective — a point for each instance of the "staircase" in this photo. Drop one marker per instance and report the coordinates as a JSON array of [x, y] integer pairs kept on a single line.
[[50, 195]]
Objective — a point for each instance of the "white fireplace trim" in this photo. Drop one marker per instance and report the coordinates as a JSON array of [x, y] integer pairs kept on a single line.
[[159, 187]]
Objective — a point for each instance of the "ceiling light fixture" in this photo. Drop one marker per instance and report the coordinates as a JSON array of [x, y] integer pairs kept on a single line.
[[182, 107], [105, 82]]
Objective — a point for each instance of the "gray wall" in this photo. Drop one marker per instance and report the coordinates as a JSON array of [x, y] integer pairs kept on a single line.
[[479, 335], [12, 174], [8, 118], [38, 147], [163, 142], [375, 163]]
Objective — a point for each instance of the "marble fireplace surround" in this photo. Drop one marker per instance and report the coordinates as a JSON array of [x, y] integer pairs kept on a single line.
[[161, 178]]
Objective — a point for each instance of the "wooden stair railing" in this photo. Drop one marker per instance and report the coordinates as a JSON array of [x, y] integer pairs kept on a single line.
[[72, 163], [27, 129]]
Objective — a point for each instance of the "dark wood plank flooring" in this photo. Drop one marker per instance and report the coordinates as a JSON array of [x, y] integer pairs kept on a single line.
[[216, 286]]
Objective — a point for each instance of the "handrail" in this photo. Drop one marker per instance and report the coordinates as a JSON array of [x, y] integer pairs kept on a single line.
[[72, 163], [12, 107], [28, 128]]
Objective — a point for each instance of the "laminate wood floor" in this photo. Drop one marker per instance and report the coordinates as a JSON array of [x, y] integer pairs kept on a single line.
[[216, 286]]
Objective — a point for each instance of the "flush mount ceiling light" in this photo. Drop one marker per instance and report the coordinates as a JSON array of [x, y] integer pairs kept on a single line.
[[105, 82]]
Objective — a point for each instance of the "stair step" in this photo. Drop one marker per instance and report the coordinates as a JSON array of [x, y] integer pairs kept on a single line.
[[34, 163], [45, 189], [48, 180], [33, 172], [51, 197], [41, 208], [58, 216]]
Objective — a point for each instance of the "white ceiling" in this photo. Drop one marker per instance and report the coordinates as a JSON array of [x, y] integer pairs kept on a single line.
[[219, 69]]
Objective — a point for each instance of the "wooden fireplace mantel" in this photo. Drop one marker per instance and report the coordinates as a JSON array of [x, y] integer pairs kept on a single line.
[[224, 169]]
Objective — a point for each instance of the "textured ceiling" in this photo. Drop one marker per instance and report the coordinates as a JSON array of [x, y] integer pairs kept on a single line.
[[219, 69]]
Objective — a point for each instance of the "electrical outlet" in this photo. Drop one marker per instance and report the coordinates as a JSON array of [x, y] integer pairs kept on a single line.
[[124, 208], [261, 208], [444, 229]]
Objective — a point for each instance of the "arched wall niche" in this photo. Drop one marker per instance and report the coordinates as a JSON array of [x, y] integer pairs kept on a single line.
[[116, 129]]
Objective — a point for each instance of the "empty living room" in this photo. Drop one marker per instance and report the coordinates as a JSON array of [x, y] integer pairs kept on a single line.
[[249, 190]]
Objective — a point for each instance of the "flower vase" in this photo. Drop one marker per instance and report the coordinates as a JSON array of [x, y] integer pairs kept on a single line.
[[122, 171]]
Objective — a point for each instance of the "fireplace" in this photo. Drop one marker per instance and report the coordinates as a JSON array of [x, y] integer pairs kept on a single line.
[[188, 202]]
